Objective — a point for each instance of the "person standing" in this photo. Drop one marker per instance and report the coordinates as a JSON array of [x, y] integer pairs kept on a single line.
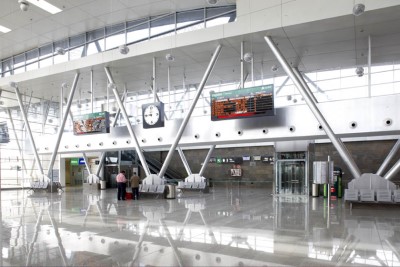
[[135, 181], [121, 184]]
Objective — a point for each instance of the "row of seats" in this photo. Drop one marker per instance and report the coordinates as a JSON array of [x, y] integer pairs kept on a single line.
[[192, 186], [368, 195], [152, 188], [39, 185]]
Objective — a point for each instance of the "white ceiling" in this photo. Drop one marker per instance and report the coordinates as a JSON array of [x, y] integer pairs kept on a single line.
[[328, 44], [35, 27]]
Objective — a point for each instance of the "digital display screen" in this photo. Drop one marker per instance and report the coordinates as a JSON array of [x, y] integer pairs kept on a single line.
[[243, 103]]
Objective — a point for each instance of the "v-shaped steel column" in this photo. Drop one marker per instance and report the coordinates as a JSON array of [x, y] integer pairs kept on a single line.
[[62, 126], [184, 161], [340, 147], [128, 124], [17, 140], [206, 160], [388, 158], [190, 111], [103, 154], [28, 128]]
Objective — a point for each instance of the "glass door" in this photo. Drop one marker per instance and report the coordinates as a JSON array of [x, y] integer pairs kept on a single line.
[[291, 174]]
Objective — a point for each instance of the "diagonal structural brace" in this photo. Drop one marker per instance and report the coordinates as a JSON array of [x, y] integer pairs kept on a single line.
[[190, 111], [128, 124], [61, 128], [340, 147], [28, 128]]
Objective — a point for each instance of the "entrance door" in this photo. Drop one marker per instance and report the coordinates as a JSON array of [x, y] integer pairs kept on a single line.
[[291, 173]]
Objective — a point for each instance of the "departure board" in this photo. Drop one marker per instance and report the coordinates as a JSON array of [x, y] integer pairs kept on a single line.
[[243, 103]]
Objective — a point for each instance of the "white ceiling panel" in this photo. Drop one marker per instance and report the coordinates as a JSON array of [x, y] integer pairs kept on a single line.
[[70, 16], [100, 7], [20, 19], [86, 25], [21, 35], [42, 26], [118, 16]]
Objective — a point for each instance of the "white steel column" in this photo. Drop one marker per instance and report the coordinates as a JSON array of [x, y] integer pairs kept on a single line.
[[369, 65], [86, 163], [281, 86], [184, 161], [28, 128], [169, 92], [17, 140], [388, 158], [313, 83], [393, 171], [128, 124], [241, 65], [207, 159], [305, 85], [154, 81], [61, 128], [103, 154], [189, 113], [61, 103], [91, 90], [343, 152]]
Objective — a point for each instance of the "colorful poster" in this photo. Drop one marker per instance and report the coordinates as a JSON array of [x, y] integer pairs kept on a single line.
[[98, 122]]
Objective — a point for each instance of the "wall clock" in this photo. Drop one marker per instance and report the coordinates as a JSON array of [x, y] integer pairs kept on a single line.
[[153, 115]]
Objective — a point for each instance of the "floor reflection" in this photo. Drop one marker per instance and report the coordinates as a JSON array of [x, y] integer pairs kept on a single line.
[[230, 226]]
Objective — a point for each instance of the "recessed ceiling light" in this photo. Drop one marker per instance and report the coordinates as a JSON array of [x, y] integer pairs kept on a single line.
[[4, 29], [45, 6]]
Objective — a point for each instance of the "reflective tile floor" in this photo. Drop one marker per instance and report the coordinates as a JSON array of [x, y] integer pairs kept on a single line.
[[230, 226]]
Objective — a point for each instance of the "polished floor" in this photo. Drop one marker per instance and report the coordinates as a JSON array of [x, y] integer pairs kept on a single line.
[[230, 226]]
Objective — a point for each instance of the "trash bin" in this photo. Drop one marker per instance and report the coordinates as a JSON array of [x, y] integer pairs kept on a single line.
[[171, 191], [102, 184], [315, 190]]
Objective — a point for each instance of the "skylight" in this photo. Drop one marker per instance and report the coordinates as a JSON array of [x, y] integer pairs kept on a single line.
[[45, 6], [4, 29]]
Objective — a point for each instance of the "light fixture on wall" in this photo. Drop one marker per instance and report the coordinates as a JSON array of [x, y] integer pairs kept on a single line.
[[212, 2], [169, 57], [23, 5], [59, 51], [123, 49], [274, 68], [360, 71], [248, 57], [358, 9], [14, 84]]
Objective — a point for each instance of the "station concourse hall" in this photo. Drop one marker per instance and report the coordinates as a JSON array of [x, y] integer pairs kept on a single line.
[[199, 133]]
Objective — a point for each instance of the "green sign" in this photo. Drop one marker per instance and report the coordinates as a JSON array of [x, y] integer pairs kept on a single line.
[[95, 115], [75, 161], [252, 91]]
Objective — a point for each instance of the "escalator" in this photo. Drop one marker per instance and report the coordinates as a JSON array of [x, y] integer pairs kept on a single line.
[[154, 165]]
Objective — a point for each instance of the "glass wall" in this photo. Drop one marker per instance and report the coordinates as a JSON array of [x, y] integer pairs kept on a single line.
[[112, 36]]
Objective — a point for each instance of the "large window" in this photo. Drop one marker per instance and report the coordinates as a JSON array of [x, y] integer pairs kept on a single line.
[[112, 36]]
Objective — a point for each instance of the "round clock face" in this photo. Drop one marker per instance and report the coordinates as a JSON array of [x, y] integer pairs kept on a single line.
[[151, 114]]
